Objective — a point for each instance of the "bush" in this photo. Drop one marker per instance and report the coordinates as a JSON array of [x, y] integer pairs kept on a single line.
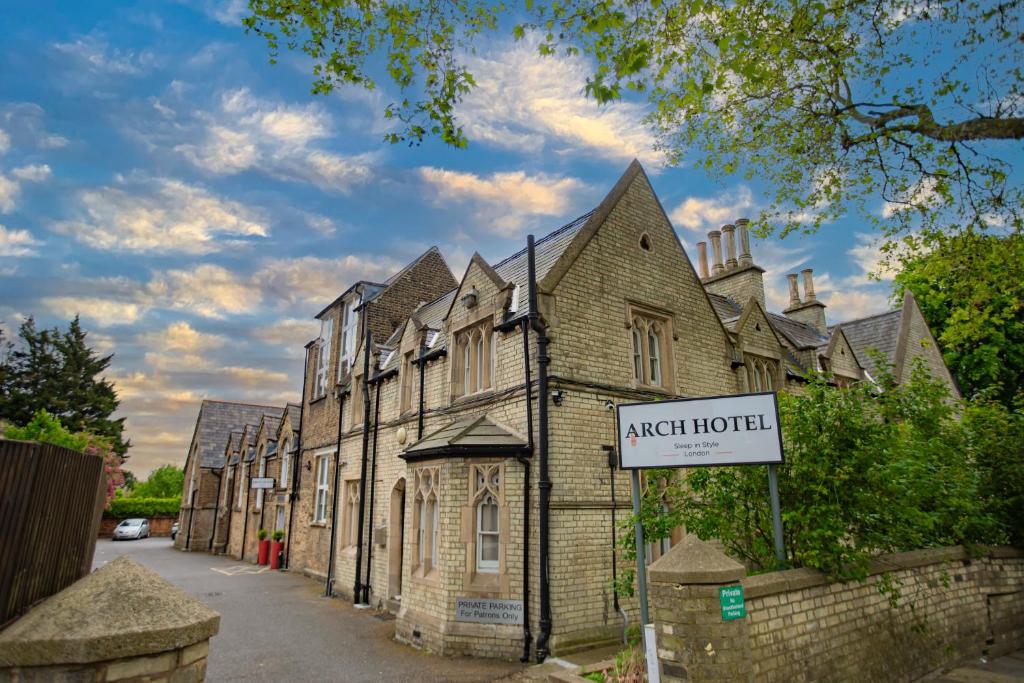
[[123, 508], [869, 469], [278, 535]]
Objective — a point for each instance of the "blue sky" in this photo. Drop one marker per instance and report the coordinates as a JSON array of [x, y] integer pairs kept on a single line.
[[197, 206]]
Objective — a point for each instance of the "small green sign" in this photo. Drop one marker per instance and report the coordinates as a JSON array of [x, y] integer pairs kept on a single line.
[[731, 599]]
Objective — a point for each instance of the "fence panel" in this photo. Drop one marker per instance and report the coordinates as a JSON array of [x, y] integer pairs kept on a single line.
[[49, 498]]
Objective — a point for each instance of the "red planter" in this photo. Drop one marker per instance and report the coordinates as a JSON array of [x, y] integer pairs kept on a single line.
[[263, 554], [276, 548]]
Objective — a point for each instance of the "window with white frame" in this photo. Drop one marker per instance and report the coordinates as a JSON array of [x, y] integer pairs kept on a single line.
[[349, 334], [650, 338], [323, 361], [322, 487], [279, 524], [350, 534], [406, 380], [262, 472], [286, 463], [426, 510], [487, 508], [473, 369], [242, 470]]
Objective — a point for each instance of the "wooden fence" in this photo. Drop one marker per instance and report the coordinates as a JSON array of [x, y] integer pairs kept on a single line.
[[51, 501]]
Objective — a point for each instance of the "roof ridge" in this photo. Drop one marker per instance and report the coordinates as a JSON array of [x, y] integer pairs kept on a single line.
[[240, 403], [558, 231], [868, 317]]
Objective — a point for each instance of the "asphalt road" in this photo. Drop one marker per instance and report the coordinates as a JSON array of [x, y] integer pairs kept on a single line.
[[276, 626]]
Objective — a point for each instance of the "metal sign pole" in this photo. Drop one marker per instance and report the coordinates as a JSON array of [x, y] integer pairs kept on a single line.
[[773, 489], [641, 548]]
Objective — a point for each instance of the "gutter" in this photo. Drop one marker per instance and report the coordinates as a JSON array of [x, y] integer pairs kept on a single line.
[[216, 508], [248, 492], [296, 466], [527, 636]]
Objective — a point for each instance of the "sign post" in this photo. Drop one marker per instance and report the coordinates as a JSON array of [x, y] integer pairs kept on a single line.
[[741, 429]]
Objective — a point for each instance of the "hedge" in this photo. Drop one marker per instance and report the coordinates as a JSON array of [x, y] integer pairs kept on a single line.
[[121, 508]]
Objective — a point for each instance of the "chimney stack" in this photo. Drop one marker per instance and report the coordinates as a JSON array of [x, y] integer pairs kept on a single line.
[[808, 285], [716, 247], [730, 246], [794, 291], [702, 257], [745, 258]]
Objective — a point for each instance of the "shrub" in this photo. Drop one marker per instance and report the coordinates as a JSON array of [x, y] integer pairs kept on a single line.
[[278, 535], [261, 534], [123, 508]]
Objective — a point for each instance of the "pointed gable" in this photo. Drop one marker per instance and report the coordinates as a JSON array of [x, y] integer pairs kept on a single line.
[[756, 333]]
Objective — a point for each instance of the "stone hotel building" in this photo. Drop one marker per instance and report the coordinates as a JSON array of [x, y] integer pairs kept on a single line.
[[450, 462]]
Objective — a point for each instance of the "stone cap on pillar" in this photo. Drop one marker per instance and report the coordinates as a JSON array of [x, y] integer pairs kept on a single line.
[[120, 610], [692, 561]]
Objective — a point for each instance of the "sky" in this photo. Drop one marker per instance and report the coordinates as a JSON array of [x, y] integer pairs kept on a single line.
[[196, 206]]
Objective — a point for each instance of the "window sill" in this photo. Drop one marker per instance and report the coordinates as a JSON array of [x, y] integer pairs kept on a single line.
[[322, 525], [485, 581], [314, 401], [431, 578], [469, 398], [652, 388]]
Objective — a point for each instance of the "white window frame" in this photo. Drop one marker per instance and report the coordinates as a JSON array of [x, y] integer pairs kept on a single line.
[[349, 334], [242, 472], [323, 365], [645, 326], [286, 461], [261, 472], [279, 523], [482, 565], [322, 489]]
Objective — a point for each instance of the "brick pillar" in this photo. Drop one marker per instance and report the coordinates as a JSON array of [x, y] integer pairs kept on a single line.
[[695, 643]]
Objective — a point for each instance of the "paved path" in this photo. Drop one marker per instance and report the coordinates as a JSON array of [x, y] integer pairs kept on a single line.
[[276, 626], [1008, 669]]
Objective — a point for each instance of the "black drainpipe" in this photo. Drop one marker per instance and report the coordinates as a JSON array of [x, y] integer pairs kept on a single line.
[[216, 508], [373, 489], [296, 466], [423, 364], [527, 636], [329, 588], [231, 512], [248, 492], [191, 514], [366, 454], [544, 483]]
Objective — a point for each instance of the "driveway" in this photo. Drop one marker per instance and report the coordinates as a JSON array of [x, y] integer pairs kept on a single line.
[[277, 626]]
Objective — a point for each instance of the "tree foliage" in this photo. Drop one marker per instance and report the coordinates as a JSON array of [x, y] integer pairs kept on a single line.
[[970, 288], [136, 506], [868, 470], [833, 103], [165, 481], [46, 428], [58, 372]]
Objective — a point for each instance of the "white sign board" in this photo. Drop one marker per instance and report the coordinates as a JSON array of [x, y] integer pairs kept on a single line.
[[700, 432], [651, 652], [261, 483], [484, 611]]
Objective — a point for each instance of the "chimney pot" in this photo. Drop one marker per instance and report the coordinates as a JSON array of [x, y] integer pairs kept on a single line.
[[716, 248], [794, 291], [745, 258], [730, 245], [702, 259], [808, 284]]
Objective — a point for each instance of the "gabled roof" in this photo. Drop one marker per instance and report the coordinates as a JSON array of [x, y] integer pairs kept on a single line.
[[879, 332], [801, 335], [216, 421], [468, 436], [726, 308]]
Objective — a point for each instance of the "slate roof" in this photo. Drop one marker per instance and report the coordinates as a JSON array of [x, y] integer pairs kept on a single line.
[[217, 419], [294, 415], [874, 332], [466, 435], [726, 308], [799, 334]]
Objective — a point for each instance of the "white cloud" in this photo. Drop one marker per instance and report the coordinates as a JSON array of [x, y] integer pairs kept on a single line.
[[96, 55], [33, 173], [24, 123], [528, 103], [921, 194], [17, 242], [103, 312], [161, 216], [179, 346], [710, 213], [299, 281], [227, 12], [255, 377], [504, 200], [9, 191], [289, 333], [5, 142], [208, 290], [249, 133]]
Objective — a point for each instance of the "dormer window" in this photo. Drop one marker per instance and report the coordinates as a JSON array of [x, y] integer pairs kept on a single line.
[[349, 334], [650, 337]]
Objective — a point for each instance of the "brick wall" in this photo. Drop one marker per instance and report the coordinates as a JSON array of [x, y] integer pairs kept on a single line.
[[803, 628]]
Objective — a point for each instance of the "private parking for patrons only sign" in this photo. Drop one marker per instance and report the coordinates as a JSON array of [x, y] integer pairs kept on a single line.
[[724, 430]]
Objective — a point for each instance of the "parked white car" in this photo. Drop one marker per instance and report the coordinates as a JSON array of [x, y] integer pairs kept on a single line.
[[131, 529]]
